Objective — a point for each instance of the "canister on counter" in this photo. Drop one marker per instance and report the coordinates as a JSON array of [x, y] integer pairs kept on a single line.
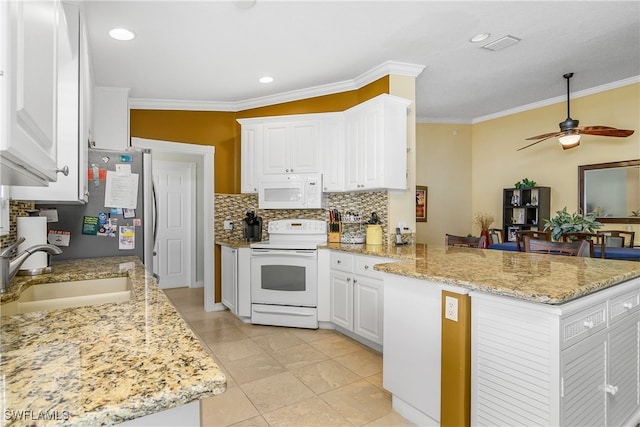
[[374, 234]]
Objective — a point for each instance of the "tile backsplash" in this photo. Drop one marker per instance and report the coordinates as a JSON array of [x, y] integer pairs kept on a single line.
[[234, 207], [16, 209]]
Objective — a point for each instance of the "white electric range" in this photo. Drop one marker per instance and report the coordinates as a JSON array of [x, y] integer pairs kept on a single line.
[[284, 274]]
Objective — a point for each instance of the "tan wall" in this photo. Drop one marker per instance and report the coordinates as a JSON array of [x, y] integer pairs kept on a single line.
[[402, 204], [482, 159], [443, 164]]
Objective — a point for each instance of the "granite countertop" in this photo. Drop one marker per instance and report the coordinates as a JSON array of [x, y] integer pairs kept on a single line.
[[234, 243], [102, 364], [549, 279]]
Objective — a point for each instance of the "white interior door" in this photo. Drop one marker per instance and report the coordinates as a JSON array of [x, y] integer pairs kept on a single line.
[[174, 262]]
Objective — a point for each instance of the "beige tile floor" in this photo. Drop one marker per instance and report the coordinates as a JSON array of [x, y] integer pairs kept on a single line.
[[287, 376]]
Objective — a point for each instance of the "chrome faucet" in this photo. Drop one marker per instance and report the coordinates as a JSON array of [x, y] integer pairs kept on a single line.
[[9, 267]]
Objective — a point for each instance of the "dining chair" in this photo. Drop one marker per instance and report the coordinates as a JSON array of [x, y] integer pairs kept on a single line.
[[495, 236], [617, 238], [582, 248], [535, 234], [464, 241], [593, 238]]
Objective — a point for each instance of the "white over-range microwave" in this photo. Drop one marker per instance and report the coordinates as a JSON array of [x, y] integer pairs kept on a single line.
[[291, 191]]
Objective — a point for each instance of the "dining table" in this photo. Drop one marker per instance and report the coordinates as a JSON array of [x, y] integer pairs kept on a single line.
[[627, 254]]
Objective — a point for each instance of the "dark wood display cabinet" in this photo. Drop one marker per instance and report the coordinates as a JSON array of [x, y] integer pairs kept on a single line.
[[524, 209]]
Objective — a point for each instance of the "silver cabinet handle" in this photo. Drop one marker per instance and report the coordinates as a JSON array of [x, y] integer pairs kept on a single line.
[[64, 170]]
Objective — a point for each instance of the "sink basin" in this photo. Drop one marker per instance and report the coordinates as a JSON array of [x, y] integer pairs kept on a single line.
[[53, 296]]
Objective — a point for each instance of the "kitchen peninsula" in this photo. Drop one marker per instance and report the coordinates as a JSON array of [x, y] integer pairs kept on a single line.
[[553, 340], [102, 364]]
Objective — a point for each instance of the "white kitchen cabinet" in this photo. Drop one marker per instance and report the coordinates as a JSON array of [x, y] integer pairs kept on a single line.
[[28, 91], [111, 118], [250, 156], [332, 141], [74, 113], [291, 146], [235, 277], [376, 144], [572, 364], [357, 295], [229, 277]]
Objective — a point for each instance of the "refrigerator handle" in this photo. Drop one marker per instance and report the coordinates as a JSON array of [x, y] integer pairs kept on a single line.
[[155, 217]]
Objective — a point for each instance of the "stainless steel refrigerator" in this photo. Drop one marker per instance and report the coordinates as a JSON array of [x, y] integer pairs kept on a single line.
[[101, 228]]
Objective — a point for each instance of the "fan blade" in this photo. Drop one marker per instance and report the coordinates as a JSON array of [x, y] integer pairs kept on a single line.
[[606, 131], [548, 135], [544, 136]]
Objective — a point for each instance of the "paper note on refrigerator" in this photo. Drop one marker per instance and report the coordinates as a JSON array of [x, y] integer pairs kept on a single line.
[[121, 191]]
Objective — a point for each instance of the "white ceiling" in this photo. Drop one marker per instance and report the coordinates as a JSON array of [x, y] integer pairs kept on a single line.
[[213, 52]]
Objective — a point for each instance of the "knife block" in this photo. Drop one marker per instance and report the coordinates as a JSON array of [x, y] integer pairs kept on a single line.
[[334, 236]]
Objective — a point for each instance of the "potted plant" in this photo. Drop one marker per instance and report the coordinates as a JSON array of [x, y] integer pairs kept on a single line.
[[565, 222], [484, 221]]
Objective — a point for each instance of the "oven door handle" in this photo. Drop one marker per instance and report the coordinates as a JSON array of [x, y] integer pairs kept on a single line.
[[280, 252], [291, 311]]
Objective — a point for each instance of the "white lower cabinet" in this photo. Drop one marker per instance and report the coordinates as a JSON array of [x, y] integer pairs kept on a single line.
[[235, 277], [571, 364], [357, 295]]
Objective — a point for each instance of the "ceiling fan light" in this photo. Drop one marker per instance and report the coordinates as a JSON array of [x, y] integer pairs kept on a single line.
[[569, 140]]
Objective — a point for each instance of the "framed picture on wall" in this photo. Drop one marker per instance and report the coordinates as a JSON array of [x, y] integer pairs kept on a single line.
[[421, 203]]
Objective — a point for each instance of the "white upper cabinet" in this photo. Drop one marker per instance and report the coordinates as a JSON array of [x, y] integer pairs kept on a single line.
[[376, 144], [28, 91], [250, 156], [74, 113], [332, 142], [363, 148], [111, 118], [291, 146]]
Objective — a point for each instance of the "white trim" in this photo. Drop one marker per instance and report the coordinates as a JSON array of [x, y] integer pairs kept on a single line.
[[208, 152], [386, 68], [534, 105]]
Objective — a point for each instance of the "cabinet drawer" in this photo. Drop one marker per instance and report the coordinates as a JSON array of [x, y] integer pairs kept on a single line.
[[341, 261], [364, 266], [624, 305], [583, 324]]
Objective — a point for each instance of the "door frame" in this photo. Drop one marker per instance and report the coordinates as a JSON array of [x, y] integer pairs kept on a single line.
[[208, 214]]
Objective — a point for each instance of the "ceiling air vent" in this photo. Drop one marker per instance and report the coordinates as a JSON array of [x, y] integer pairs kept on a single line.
[[501, 43]]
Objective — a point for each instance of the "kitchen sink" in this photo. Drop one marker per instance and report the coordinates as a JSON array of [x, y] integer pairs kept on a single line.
[[53, 296]]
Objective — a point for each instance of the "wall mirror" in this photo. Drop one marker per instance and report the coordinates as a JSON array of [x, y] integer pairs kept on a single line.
[[611, 191]]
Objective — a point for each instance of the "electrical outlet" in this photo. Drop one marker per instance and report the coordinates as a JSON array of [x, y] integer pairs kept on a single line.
[[451, 308], [228, 225]]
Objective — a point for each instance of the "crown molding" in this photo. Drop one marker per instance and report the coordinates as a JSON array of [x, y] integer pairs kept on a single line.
[[386, 68], [558, 99]]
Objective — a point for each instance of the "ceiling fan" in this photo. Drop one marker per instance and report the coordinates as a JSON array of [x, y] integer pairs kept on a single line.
[[569, 135]]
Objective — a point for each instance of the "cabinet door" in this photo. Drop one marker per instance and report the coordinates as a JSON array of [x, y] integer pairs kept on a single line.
[[304, 148], [111, 108], [29, 34], [583, 380], [229, 276], [341, 299], [622, 387], [250, 157], [368, 308], [355, 145], [275, 156], [73, 73], [332, 142], [370, 148]]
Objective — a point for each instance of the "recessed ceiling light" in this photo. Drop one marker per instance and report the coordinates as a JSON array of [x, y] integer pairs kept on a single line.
[[266, 79], [121, 34], [479, 37]]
